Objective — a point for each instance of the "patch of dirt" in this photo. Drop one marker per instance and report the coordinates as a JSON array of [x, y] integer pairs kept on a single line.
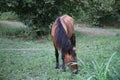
[[82, 28], [95, 31], [12, 24]]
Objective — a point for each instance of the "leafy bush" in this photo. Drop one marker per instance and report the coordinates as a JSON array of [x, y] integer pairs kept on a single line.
[[8, 16], [97, 12], [38, 15], [12, 32]]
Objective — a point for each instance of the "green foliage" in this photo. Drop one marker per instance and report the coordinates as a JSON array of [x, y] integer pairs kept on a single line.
[[12, 31], [98, 11], [101, 70], [39, 14], [8, 16]]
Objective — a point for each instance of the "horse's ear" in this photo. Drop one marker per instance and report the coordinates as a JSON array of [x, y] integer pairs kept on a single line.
[[74, 48]]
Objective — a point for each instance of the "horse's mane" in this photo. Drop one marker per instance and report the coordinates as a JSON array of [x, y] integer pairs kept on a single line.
[[62, 39]]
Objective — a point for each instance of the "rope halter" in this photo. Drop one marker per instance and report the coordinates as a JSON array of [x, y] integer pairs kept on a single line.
[[72, 63]]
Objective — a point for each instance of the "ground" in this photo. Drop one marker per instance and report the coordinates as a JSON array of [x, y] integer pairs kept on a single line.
[[98, 54], [95, 31]]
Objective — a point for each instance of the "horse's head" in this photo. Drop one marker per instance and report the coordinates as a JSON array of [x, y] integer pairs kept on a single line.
[[71, 61]]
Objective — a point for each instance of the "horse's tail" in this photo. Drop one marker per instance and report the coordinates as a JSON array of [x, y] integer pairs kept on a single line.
[[61, 29], [62, 39]]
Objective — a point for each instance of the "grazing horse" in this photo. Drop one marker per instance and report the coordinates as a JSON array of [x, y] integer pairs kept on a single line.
[[63, 37]]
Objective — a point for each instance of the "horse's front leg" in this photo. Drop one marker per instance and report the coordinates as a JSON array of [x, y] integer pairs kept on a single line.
[[57, 59], [63, 64]]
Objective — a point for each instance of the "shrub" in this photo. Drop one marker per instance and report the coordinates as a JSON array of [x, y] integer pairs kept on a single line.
[[8, 16], [39, 14]]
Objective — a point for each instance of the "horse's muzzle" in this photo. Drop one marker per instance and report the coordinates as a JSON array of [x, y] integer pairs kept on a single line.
[[75, 71]]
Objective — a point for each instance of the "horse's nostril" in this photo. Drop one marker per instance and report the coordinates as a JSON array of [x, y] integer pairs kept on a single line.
[[75, 72]]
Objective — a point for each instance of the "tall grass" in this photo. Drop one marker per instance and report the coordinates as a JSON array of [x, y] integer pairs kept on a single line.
[[102, 69], [12, 28], [99, 57], [12, 31]]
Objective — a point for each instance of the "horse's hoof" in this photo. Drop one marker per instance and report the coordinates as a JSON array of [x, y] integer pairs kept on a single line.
[[64, 70], [74, 72], [56, 67]]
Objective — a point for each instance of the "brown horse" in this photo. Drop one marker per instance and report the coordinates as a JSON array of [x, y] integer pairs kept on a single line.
[[64, 41]]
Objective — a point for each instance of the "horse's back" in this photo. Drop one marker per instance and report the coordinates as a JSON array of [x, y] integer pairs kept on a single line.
[[68, 25]]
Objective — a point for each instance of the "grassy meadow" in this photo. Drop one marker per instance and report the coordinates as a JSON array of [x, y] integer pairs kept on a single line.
[[98, 59]]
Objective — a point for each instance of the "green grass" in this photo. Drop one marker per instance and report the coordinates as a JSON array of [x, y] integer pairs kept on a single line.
[[98, 59], [12, 31]]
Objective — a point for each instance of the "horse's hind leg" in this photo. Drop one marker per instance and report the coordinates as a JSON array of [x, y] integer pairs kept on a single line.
[[57, 59], [73, 40]]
